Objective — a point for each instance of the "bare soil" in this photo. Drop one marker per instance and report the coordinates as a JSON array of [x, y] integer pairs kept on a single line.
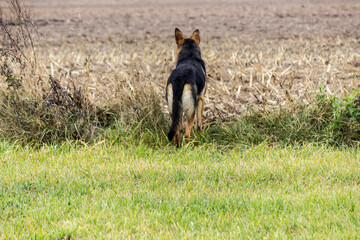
[[143, 19]]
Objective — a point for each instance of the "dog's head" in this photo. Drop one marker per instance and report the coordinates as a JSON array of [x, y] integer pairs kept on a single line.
[[182, 42], [180, 39]]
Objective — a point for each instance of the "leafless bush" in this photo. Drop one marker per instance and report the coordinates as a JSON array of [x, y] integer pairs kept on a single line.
[[17, 53]]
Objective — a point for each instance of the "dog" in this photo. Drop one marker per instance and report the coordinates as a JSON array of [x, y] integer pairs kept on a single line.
[[186, 86]]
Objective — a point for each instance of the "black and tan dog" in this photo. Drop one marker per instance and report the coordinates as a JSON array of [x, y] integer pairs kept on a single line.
[[186, 86]]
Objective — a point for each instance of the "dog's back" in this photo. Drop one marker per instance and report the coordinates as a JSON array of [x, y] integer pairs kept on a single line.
[[185, 84]]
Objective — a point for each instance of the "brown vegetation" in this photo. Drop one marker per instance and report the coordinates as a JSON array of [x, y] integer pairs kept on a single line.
[[246, 68]]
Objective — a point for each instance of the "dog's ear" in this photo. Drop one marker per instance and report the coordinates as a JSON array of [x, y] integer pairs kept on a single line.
[[179, 37], [196, 36]]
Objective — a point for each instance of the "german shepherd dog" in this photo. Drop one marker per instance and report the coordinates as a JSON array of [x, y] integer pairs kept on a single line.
[[186, 86]]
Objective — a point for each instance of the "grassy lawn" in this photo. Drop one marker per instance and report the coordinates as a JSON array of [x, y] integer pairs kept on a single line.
[[115, 192]]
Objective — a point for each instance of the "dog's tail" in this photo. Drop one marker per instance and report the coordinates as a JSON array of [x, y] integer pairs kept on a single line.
[[177, 90]]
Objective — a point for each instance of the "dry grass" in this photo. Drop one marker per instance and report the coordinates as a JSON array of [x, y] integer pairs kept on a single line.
[[240, 74]]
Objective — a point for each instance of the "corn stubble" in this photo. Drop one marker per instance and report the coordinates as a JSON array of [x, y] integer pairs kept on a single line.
[[75, 90]]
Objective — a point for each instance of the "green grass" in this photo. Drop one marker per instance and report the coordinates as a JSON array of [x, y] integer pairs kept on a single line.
[[104, 191]]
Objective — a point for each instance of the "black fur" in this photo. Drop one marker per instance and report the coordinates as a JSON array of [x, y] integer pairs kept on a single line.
[[190, 69]]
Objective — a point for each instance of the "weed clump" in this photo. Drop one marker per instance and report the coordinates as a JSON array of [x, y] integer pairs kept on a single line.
[[329, 120], [138, 118], [61, 113]]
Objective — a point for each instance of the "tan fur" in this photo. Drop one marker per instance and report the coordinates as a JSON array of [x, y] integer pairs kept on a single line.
[[170, 98], [187, 100], [179, 37], [196, 37], [189, 125], [189, 110], [200, 108]]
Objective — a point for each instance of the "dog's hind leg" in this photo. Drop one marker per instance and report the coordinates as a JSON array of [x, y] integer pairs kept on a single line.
[[176, 139], [189, 125], [188, 101], [199, 112], [200, 102]]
